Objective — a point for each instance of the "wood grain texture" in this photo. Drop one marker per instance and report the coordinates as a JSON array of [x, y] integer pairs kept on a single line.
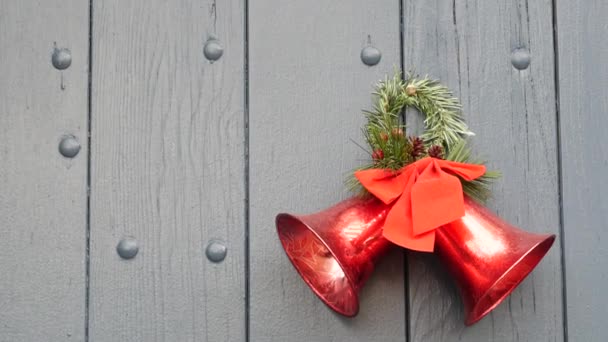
[[468, 45], [168, 170], [583, 78], [307, 89], [42, 194]]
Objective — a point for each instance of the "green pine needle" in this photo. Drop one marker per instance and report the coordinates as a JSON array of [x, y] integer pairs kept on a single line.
[[443, 112]]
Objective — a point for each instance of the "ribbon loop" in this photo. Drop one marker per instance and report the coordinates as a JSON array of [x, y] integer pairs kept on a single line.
[[425, 195]]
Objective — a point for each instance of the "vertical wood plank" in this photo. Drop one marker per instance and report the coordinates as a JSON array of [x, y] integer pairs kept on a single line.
[[42, 194], [168, 170], [468, 45], [583, 78], [307, 87]]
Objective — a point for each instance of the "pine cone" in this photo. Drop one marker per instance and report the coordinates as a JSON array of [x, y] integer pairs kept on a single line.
[[384, 136], [417, 147], [436, 151], [378, 154], [397, 132]]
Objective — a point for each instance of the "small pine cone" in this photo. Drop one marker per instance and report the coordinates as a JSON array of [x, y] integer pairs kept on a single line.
[[417, 147], [435, 151], [411, 90], [378, 154], [384, 136], [397, 132]]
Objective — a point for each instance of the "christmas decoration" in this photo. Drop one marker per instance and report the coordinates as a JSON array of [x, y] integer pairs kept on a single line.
[[422, 193]]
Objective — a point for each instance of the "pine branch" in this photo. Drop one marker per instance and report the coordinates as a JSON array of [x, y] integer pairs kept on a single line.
[[443, 121]]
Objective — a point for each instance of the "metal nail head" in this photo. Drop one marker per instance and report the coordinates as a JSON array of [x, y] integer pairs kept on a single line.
[[213, 50], [520, 58], [127, 248], [61, 58], [69, 146], [370, 55], [216, 251]]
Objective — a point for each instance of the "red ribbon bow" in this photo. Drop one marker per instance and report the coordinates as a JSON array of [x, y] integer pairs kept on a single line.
[[425, 195]]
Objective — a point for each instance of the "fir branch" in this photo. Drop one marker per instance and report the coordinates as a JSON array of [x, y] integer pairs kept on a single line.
[[443, 121]]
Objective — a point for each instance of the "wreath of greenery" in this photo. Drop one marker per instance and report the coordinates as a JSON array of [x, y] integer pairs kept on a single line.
[[445, 134]]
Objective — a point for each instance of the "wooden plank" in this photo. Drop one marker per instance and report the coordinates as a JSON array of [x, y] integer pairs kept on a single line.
[[307, 89], [468, 45], [583, 78], [42, 194], [168, 170]]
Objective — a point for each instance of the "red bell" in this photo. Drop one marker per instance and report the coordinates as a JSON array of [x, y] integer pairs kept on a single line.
[[336, 250]]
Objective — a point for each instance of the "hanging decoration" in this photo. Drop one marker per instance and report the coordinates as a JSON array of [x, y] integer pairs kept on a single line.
[[423, 193]]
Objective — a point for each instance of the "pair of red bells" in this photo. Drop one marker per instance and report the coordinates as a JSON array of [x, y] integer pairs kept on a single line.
[[336, 250]]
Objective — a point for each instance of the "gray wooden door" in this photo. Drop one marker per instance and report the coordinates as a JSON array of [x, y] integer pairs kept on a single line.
[[146, 146]]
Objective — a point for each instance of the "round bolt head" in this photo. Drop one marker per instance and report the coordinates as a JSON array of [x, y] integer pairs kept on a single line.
[[520, 58], [370, 55], [216, 251], [127, 248], [61, 59], [213, 50], [69, 146]]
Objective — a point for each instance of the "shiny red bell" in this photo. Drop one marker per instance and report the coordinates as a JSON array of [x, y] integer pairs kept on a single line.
[[336, 250]]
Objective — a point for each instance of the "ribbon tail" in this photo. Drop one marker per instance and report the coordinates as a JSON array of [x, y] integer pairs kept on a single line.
[[399, 228], [385, 185], [468, 172]]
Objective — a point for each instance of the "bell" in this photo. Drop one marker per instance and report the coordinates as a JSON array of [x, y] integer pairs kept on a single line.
[[487, 257], [336, 250]]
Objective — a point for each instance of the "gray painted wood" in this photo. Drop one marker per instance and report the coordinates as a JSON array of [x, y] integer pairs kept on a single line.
[[42, 194], [583, 78], [307, 88], [167, 170], [468, 45], [168, 164]]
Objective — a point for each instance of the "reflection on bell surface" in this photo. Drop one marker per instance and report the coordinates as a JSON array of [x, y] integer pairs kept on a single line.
[[336, 250]]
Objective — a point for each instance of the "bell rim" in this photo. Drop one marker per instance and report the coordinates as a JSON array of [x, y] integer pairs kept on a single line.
[[472, 317], [306, 280]]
